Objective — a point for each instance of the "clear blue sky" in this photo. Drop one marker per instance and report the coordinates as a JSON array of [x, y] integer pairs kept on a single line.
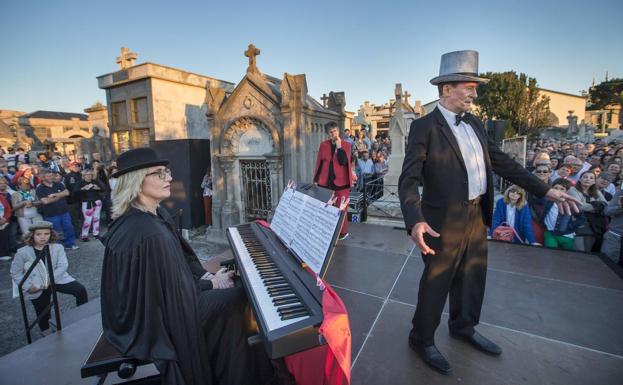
[[53, 50]]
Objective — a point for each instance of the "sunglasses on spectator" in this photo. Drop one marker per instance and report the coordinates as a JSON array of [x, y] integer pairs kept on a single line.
[[542, 171]]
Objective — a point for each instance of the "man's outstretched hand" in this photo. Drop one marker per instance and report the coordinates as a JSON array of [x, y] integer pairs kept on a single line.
[[566, 203], [417, 234]]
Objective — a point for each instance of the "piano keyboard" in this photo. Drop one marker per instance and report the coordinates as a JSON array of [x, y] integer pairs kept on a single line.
[[284, 297], [279, 303]]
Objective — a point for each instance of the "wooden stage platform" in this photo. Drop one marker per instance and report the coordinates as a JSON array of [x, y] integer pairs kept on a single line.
[[557, 315]]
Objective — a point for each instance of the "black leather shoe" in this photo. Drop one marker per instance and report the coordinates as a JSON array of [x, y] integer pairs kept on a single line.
[[432, 357], [480, 342]]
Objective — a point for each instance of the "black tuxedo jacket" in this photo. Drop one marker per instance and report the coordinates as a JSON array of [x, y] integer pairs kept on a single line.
[[433, 160]]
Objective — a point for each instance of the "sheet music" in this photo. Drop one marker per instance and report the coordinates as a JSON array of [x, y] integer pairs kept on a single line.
[[306, 225]]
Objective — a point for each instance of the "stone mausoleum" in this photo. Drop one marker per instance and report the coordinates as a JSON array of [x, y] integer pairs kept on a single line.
[[263, 133]]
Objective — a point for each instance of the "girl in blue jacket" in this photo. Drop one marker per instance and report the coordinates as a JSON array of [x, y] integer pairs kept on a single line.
[[512, 209]]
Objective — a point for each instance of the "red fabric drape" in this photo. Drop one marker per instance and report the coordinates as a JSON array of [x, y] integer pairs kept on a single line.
[[327, 364]]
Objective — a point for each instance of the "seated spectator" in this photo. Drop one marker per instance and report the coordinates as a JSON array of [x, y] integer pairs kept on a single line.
[[605, 185], [563, 172], [605, 159], [611, 245], [615, 169], [592, 205], [561, 227], [513, 210], [40, 239], [542, 172]]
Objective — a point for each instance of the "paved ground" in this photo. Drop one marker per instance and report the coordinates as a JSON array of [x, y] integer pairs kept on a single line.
[[85, 265]]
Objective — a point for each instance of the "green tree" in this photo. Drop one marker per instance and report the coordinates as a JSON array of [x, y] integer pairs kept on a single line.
[[605, 93], [514, 98]]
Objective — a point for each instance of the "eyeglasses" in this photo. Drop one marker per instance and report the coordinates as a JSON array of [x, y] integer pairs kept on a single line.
[[162, 173], [542, 171]]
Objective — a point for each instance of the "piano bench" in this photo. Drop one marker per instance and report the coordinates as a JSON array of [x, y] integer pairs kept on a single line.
[[104, 359]]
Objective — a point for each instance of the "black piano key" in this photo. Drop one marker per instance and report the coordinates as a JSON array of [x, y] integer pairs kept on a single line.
[[291, 296], [290, 307], [286, 317], [281, 302], [279, 290], [295, 309]]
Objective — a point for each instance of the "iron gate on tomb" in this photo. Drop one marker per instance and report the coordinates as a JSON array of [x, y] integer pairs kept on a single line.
[[256, 191]]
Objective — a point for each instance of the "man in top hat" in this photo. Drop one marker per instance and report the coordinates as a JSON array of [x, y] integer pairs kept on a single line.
[[448, 220]]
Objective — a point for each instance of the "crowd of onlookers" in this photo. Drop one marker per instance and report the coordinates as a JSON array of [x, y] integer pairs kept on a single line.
[[592, 173], [369, 156], [72, 194]]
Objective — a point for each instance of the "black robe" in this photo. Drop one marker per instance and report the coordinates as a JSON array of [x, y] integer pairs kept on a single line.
[[153, 309], [150, 303]]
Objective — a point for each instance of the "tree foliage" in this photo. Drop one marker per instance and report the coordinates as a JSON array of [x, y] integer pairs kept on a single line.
[[514, 98], [605, 93]]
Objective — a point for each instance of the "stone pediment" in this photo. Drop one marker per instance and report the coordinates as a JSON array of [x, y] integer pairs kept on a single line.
[[249, 99]]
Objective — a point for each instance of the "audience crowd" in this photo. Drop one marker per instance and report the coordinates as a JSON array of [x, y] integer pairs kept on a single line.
[[591, 172], [72, 195], [75, 195]]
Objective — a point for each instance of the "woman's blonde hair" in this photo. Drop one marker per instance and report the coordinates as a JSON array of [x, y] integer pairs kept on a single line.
[[30, 241], [125, 194], [522, 199]]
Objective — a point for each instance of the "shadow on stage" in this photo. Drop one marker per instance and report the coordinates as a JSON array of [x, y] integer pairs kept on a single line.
[[557, 315]]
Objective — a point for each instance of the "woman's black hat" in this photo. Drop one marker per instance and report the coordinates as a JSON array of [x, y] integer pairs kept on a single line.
[[137, 159]]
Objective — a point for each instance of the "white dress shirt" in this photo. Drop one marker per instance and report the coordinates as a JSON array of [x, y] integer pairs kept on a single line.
[[471, 150]]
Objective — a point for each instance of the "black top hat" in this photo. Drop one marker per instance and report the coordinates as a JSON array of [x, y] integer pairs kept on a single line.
[[137, 159]]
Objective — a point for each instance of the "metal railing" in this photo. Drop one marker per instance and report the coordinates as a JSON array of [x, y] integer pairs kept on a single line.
[[54, 302], [380, 195]]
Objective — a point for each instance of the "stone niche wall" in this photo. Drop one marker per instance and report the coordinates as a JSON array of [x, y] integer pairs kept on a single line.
[[179, 111]]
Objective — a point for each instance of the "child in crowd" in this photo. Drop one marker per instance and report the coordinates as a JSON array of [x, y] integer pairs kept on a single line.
[[561, 227], [513, 210], [40, 240]]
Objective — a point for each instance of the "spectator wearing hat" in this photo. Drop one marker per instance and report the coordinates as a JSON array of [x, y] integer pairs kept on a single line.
[[27, 171], [40, 241], [187, 332], [54, 207]]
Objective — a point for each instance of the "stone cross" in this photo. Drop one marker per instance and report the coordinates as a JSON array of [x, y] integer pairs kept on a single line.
[[127, 58], [324, 99], [406, 96], [251, 52]]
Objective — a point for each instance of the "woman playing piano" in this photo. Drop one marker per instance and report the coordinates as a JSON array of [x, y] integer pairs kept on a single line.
[[152, 306]]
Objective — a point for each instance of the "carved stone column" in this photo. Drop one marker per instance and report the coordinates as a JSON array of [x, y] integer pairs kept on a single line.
[[276, 179], [230, 211]]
